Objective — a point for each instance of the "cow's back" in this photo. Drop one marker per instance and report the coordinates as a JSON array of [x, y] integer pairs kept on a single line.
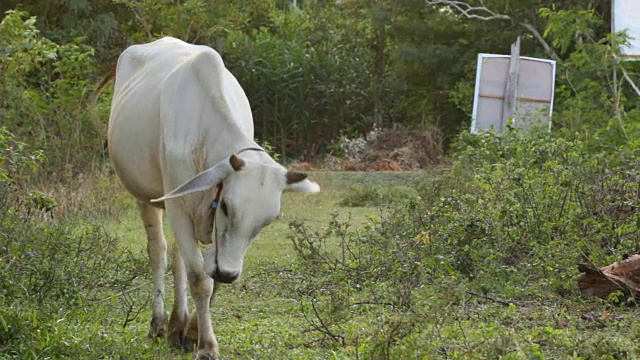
[[136, 139]]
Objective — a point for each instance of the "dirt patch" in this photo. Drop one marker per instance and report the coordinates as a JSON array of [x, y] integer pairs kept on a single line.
[[410, 148], [301, 166], [385, 165]]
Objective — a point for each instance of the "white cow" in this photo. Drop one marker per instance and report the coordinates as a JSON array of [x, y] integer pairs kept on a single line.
[[181, 125]]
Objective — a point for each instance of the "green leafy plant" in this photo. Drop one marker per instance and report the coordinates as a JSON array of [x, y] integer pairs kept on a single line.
[[592, 96], [16, 158], [54, 273], [45, 93]]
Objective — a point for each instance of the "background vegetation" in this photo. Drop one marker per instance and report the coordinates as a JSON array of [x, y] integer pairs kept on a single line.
[[475, 260], [313, 72]]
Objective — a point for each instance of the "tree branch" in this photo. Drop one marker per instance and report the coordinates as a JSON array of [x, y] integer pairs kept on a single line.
[[536, 34], [470, 12], [483, 13]]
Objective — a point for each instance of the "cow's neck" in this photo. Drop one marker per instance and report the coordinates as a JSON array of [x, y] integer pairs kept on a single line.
[[219, 143], [255, 153], [234, 141]]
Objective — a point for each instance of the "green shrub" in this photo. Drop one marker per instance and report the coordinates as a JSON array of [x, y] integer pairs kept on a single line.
[[537, 204], [511, 219], [298, 71], [55, 277], [46, 94]]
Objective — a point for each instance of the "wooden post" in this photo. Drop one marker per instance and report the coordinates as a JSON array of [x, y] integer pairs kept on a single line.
[[511, 90]]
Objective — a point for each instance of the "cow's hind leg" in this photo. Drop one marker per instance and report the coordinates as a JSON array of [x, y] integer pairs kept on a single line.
[[157, 250]]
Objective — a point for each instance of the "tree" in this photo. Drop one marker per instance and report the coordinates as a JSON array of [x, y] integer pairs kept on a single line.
[[523, 14]]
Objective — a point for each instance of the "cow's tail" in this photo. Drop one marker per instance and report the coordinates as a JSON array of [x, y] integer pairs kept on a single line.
[[106, 80]]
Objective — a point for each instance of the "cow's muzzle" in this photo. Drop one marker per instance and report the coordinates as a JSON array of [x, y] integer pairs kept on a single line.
[[226, 277]]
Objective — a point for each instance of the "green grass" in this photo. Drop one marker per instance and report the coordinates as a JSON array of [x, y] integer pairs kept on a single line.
[[258, 318]]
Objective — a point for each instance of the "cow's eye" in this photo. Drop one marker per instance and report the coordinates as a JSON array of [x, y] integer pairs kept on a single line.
[[223, 206]]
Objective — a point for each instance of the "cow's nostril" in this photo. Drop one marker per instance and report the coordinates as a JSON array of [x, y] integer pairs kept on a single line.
[[226, 277]]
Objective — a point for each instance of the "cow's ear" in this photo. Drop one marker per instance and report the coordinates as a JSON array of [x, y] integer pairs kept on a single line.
[[236, 163], [297, 181], [203, 181], [294, 177]]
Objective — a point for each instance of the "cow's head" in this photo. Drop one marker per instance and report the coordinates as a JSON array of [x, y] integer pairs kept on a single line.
[[250, 201]]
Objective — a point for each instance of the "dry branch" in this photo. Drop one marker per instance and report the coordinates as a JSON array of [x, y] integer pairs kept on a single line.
[[482, 12]]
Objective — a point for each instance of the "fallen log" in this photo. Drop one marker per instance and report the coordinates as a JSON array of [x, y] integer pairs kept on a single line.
[[622, 275]]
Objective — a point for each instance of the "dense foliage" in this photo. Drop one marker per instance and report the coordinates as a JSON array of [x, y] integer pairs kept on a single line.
[[56, 276], [45, 94], [313, 72]]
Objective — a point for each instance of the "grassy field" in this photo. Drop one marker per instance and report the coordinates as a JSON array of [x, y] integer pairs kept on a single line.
[[253, 318], [257, 318], [266, 313]]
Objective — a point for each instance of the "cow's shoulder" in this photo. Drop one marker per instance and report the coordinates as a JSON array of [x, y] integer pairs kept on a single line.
[[209, 69], [222, 88], [157, 58]]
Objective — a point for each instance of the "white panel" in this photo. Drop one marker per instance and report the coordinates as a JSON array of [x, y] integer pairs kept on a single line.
[[625, 17], [534, 95]]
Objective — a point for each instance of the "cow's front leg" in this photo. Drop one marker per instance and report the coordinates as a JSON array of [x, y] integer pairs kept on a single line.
[[201, 290], [180, 311], [200, 284], [190, 336], [157, 250]]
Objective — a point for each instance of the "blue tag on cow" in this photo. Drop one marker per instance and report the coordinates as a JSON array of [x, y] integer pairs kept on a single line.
[[214, 204]]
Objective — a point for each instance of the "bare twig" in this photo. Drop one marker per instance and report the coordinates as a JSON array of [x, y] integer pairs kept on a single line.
[[536, 34], [633, 85], [325, 329], [464, 333], [482, 12], [496, 300], [132, 312]]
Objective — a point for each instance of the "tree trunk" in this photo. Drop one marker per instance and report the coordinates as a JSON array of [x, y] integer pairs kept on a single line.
[[378, 74]]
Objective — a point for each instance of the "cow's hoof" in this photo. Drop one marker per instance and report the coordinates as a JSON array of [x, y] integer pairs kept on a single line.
[[158, 328], [175, 338], [190, 334], [177, 324], [189, 344], [207, 355]]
